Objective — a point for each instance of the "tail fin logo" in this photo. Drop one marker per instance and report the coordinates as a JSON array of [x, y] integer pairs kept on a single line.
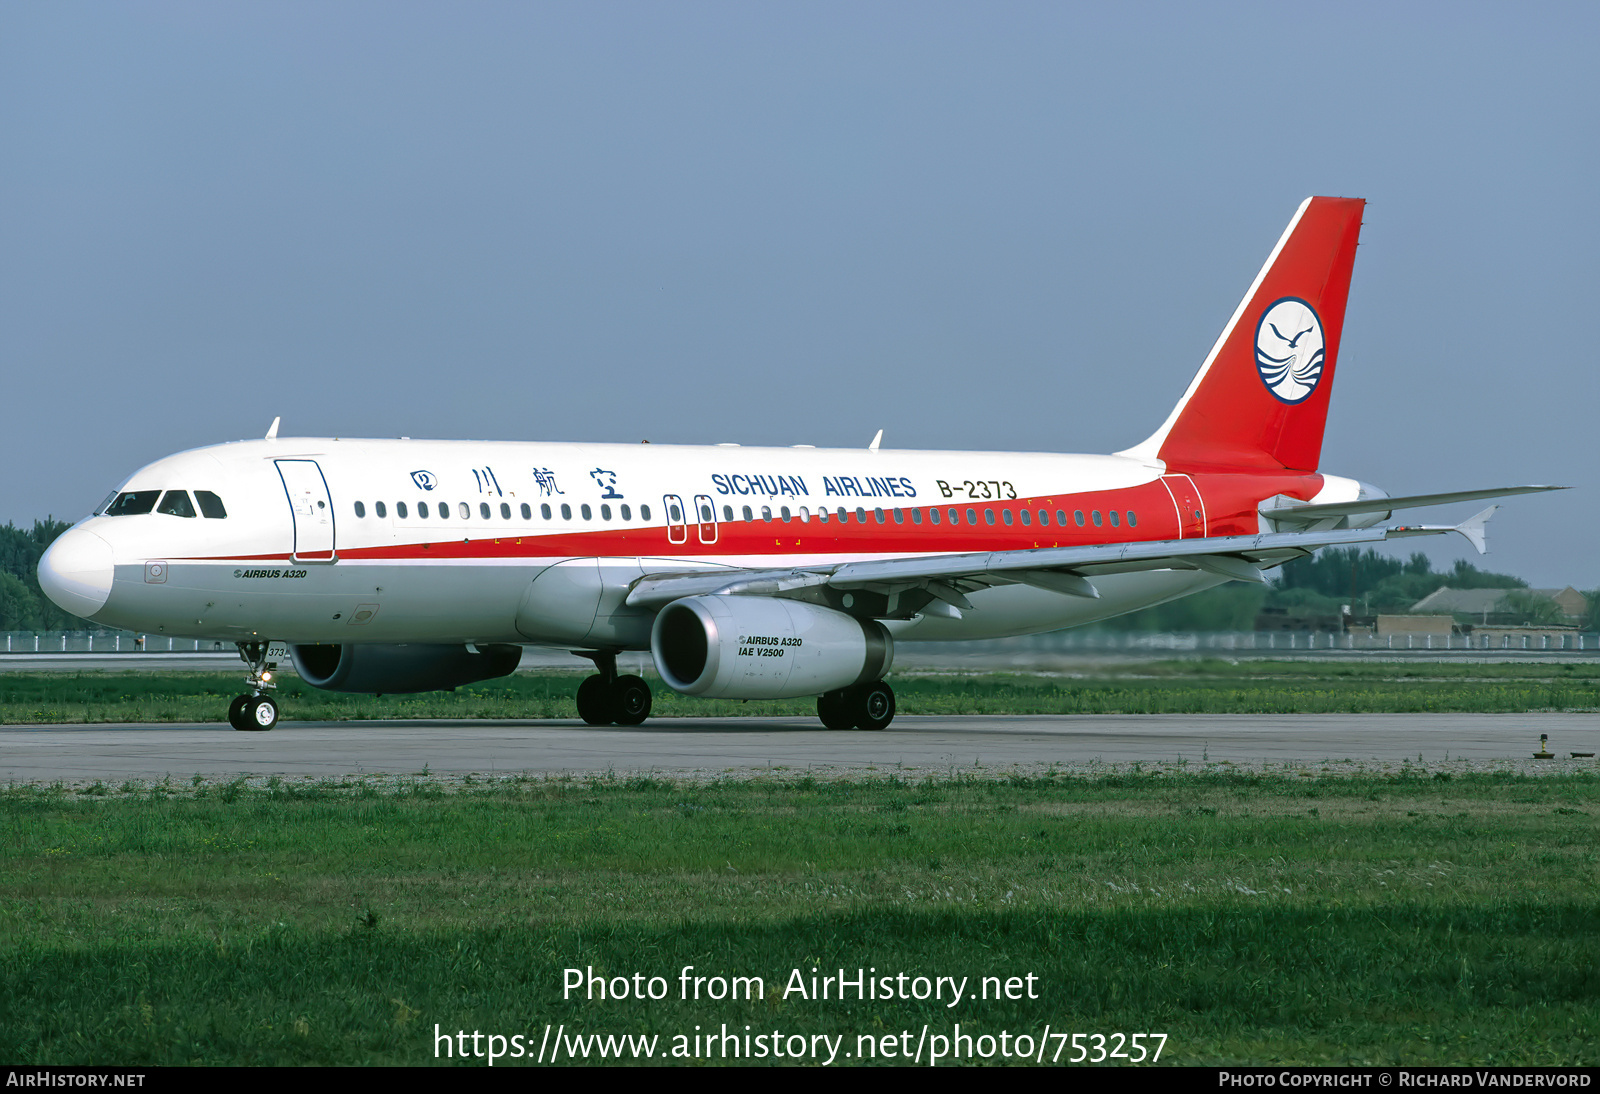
[[1290, 349]]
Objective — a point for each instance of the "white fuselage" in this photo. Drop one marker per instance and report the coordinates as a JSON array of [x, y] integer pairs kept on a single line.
[[394, 541]]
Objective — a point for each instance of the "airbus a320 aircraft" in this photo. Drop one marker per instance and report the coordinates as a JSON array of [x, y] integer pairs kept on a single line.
[[748, 573]]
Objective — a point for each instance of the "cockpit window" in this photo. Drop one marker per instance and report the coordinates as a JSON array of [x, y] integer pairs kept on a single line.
[[101, 508], [210, 505], [133, 503], [176, 503]]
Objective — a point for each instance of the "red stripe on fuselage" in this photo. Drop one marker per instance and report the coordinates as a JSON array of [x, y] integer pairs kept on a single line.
[[1230, 502]]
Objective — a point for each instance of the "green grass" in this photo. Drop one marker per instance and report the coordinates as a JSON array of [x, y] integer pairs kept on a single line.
[[1169, 687], [1252, 918]]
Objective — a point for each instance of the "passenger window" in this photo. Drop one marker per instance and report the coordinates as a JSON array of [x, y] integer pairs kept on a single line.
[[210, 505], [1061, 518], [588, 514], [505, 510], [361, 509], [955, 517], [899, 516], [483, 510], [822, 515], [527, 511], [972, 517], [766, 513], [400, 510], [1097, 520], [176, 503], [1027, 517], [1115, 521], [706, 516], [465, 510], [422, 510], [1077, 515], [786, 514], [933, 516], [861, 515], [844, 515], [1133, 521], [1005, 515], [988, 516], [380, 509], [727, 512], [544, 511], [644, 512], [672, 511], [878, 513], [916, 516], [444, 509], [566, 511], [1044, 518], [605, 512], [748, 515], [627, 513], [805, 515]]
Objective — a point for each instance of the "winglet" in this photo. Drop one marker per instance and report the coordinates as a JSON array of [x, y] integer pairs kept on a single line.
[[1475, 531], [272, 430]]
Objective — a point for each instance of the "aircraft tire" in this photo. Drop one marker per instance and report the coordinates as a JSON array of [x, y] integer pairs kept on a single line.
[[630, 700], [833, 708], [594, 702], [260, 713], [872, 705], [236, 712]]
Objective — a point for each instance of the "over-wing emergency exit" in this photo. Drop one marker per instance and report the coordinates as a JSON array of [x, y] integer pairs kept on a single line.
[[755, 573]]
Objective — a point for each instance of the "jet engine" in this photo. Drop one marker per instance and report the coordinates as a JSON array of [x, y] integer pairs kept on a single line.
[[396, 670], [751, 647]]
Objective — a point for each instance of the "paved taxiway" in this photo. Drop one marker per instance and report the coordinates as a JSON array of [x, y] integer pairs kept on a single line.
[[790, 745]]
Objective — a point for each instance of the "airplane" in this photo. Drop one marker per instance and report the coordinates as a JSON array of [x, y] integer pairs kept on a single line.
[[396, 566]]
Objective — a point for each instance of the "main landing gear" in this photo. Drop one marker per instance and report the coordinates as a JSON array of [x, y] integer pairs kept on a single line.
[[864, 706], [257, 710], [608, 699]]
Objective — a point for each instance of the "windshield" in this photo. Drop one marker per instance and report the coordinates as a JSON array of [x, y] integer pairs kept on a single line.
[[133, 503]]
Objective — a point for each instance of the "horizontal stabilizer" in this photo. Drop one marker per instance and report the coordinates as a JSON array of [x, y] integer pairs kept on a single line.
[[1388, 505]]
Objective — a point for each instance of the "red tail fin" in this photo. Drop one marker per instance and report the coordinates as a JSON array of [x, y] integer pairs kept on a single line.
[[1260, 401]]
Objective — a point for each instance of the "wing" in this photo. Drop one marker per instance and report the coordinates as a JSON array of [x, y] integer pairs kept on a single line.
[[1070, 570]]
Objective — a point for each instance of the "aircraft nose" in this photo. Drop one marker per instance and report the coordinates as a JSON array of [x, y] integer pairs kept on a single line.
[[76, 572]]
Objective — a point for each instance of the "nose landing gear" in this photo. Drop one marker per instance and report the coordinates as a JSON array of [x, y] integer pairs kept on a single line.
[[608, 699], [257, 710]]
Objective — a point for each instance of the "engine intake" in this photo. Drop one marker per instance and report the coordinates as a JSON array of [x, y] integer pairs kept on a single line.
[[400, 670], [750, 647]]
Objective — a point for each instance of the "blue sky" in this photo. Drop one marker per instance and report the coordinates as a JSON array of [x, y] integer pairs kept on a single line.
[[983, 226]]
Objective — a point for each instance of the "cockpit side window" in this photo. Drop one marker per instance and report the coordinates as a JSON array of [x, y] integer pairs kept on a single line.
[[210, 505], [133, 503], [103, 506], [176, 503]]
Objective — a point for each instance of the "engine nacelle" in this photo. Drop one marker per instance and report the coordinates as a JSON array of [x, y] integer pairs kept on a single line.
[[398, 670], [752, 647]]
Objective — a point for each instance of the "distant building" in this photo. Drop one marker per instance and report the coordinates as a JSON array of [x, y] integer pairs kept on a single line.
[[1498, 606], [1414, 624]]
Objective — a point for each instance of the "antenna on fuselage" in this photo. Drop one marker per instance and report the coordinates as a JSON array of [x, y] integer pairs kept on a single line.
[[272, 430], [873, 447]]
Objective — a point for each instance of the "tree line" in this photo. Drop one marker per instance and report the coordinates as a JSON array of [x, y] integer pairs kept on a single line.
[[23, 605]]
